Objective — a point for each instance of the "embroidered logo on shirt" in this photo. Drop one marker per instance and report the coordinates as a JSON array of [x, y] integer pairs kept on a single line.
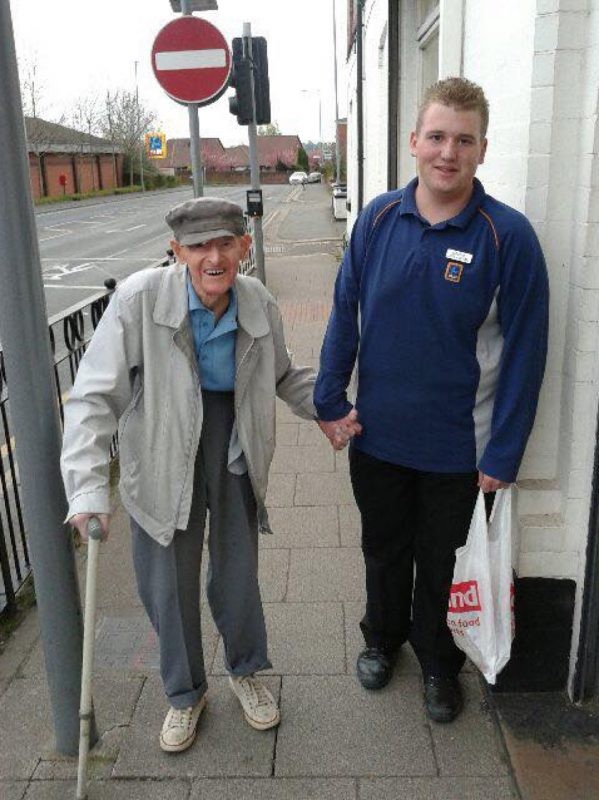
[[453, 271], [465, 258]]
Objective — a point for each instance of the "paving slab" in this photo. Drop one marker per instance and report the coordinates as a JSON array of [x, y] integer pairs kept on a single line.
[[303, 639], [226, 746], [350, 526], [323, 489], [18, 647], [310, 434], [281, 490], [326, 574], [273, 571], [274, 789], [296, 459], [437, 789], [471, 744], [112, 790], [333, 727], [25, 728], [309, 526], [10, 790], [287, 433]]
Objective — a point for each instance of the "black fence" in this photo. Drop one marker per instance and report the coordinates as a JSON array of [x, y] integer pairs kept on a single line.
[[70, 332]]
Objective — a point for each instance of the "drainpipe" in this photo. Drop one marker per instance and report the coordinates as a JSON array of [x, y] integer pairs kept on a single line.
[[393, 94], [587, 663], [360, 104]]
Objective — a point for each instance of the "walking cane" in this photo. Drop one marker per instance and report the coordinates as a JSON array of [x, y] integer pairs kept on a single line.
[[94, 533]]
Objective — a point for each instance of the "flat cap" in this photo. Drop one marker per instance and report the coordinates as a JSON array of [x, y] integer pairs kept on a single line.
[[204, 218]]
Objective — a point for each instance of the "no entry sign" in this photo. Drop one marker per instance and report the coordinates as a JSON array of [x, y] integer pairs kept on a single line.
[[191, 61]]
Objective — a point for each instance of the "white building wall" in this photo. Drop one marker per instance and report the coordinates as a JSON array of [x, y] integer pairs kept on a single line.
[[376, 81]]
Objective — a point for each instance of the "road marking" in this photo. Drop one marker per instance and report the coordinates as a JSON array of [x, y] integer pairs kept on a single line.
[[58, 231], [103, 258], [68, 286]]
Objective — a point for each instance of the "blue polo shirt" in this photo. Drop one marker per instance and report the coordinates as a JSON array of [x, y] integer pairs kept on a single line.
[[448, 324], [214, 341]]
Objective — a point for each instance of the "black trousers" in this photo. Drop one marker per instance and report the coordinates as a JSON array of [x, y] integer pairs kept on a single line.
[[412, 523]]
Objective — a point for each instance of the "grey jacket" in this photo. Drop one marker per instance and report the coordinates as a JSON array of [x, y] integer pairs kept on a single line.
[[140, 373]]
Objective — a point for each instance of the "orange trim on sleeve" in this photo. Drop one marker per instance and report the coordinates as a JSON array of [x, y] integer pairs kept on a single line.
[[490, 221], [384, 211]]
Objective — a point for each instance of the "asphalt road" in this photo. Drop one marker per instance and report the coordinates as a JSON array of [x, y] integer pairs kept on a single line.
[[82, 245]]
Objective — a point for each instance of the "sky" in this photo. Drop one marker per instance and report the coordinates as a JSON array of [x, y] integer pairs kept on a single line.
[[79, 54]]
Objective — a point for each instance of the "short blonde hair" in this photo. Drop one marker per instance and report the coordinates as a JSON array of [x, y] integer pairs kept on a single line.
[[458, 93]]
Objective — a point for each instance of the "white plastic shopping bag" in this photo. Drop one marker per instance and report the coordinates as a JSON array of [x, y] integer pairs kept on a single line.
[[481, 600]]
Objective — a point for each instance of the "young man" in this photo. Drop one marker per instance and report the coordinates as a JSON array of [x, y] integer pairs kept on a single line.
[[187, 360], [450, 288]]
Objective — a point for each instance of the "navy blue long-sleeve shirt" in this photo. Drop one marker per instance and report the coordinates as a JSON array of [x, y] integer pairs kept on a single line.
[[448, 323]]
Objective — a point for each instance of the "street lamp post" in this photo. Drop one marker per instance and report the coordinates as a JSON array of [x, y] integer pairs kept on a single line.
[[316, 91]]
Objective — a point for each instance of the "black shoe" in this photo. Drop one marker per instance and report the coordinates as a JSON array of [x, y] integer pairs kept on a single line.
[[374, 667], [442, 698]]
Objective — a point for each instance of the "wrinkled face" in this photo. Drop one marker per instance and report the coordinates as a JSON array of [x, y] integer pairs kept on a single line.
[[213, 264], [448, 149]]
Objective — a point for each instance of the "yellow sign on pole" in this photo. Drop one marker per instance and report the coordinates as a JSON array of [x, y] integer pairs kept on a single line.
[[156, 145]]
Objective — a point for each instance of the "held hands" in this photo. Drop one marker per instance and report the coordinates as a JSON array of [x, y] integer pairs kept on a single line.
[[340, 431], [81, 521], [488, 484]]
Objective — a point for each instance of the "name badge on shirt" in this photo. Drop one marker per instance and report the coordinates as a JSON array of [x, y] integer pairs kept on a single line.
[[457, 255]]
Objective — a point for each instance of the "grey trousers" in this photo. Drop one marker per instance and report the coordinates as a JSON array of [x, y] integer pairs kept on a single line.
[[168, 578]]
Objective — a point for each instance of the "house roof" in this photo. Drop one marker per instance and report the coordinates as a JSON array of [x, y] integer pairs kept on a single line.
[[178, 153], [278, 148], [238, 156], [54, 138]]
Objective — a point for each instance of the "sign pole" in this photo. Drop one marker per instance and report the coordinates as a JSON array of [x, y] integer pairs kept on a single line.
[[195, 147], [34, 412], [254, 161]]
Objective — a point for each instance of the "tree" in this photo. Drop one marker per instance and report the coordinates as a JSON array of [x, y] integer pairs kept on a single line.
[[86, 118], [272, 129], [124, 122], [32, 91], [302, 160]]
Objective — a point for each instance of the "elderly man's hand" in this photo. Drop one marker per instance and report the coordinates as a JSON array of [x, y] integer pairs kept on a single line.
[[340, 431], [81, 521], [489, 484]]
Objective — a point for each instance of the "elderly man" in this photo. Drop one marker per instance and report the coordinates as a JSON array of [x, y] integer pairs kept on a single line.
[[442, 298], [187, 361]]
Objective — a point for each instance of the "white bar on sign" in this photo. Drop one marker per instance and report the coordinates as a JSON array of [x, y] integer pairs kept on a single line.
[[191, 59]]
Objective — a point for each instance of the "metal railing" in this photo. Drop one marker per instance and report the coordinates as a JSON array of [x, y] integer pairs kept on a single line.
[[70, 332]]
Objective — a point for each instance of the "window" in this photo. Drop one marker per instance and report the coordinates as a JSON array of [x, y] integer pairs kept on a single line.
[[428, 42]]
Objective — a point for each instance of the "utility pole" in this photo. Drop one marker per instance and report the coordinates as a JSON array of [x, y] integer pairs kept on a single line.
[[195, 150], [34, 411], [253, 153]]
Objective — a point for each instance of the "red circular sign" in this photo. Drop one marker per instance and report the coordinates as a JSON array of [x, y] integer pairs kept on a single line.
[[191, 61]]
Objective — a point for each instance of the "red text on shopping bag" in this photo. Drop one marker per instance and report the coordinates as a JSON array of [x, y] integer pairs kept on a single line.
[[464, 597]]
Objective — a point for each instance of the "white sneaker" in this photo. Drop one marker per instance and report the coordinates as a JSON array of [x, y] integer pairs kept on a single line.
[[180, 727], [259, 706]]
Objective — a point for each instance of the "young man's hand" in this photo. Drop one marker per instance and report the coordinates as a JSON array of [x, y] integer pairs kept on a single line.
[[81, 521], [340, 431], [489, 484]]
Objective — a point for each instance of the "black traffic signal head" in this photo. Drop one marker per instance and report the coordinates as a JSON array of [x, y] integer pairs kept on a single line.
[[240, 104]]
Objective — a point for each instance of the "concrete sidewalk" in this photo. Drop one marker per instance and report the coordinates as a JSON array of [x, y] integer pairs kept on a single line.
[[336, 741]]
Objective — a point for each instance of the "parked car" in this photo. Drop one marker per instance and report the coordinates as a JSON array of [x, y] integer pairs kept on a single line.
[[298, 177], [314, 177]]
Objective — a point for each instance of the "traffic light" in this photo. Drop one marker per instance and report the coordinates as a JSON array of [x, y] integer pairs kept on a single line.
[[261, 83], [241, 103]]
